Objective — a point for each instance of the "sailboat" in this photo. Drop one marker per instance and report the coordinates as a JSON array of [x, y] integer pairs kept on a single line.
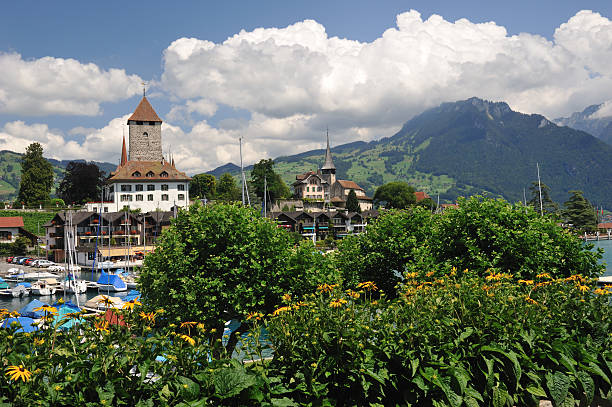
[[71, 284]]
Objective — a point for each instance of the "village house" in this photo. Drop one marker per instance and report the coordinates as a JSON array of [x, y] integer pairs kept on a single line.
[[11, 227]]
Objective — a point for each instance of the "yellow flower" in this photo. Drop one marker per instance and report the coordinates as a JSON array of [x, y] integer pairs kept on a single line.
[[254, 315], [130, 304], [286, 297], [352, 294], [47, 309], [337, 303], [106, 301], [601, 291], [38, 341], [281, 310], [101, 325], [453, 271], [368, 285], [530, 300], [411, 275], [327, 288], [58, 387], [526, 282], [147, 316], [184, 324], [187, 339], [543, 275], [18, 372], [431, 273], [583, 288], [60, 301]]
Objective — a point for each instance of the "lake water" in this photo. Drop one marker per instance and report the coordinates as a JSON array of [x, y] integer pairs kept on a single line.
[[607, 255]]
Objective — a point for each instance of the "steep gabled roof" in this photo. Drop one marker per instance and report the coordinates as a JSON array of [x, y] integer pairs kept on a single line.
[[11, 222], [420, 195], [349, 184], [137, 171], [144, 112]]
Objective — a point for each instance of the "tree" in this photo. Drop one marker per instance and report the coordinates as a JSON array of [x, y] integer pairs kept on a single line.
[[20, 245], [548, 205], [398, 195], [82, 182], [276, 187], [580, 213], [203, 185], [381, 254], [36, 176], [352, 204], [226, 262], [227, 189]]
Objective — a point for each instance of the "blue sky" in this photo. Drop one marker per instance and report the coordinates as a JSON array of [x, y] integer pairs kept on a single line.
[[281, 86]]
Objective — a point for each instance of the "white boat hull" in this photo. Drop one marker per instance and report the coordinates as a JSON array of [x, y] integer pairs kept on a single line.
[[102, 288]]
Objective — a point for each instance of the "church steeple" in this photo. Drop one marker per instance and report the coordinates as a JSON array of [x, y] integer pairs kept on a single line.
[[329, 162], [123, 153]]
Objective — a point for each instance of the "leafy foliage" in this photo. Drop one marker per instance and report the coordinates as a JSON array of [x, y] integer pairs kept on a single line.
[[276, 188], [36, 176], [226, 262], [82, 182], [203, 185], [227, 190], [32, 221], [397, 195]]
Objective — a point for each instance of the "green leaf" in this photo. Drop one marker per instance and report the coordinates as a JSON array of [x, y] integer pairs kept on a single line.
[[593, 368], [188, 388], [453, 398], [558, 385], [230, 381], [470, 402], [537, 391], [500, 396], [284, 402], [588, 386]]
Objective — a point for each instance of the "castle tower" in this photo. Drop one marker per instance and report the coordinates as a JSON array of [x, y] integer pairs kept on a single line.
[[145, 133], [328, 171]]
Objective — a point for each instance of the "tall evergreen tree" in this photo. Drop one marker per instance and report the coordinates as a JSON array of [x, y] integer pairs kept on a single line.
[[276, 187], [548, 205], [580, 213], [36, 176], [352, 203], [82, 182]]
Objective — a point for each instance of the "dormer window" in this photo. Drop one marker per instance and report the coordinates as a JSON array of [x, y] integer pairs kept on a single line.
[[150, 174], [136, 174], [145, 134], [164, 174]]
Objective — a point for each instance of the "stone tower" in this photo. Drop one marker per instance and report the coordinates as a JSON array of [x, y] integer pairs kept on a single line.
[[145, 133], [328, 171]]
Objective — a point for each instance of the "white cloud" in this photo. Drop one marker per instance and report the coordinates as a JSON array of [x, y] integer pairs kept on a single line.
[[604, 111], [50, 85], [281, 72]]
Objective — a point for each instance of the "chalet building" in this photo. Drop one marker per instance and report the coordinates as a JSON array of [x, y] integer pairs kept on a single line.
[[319, 225], [85, 231], [11, 227], [323, 185], [144, 179]]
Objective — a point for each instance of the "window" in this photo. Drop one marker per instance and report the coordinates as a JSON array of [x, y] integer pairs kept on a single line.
[[139, 122], [164, 197], [139, 197], [319, 189], [181, 187], [126, 198], [5, 235], [106, 209], [126, 188], [136, 174], [181, 197], [145, 134], [307, 189], [150, 187], [111, 189], [150, 197], [164, 174], [151, 123], [139, 187], [164, 187]]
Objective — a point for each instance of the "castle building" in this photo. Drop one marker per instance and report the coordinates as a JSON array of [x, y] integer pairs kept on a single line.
[[144, 179], [323, 185]]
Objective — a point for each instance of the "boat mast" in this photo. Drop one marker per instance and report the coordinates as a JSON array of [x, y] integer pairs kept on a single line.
[[265, 196], [241, 170], [540, 190]]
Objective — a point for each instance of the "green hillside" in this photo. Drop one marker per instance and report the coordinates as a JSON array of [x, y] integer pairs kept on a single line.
[[469, 147], [10, 173]]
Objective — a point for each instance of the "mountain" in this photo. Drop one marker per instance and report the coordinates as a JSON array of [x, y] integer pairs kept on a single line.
[[472, 146], [10, 172], [594, 120]]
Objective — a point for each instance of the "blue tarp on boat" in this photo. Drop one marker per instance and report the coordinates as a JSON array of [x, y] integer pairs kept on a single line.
[[111, 279], [26, 285], [24, 322], [67, 304], [132, 295], [28, 310], [67, 321]]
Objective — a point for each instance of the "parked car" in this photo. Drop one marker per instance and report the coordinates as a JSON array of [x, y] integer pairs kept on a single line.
[[29, 262], [42, 263], [9, 259], [23, 260], [17, 259]]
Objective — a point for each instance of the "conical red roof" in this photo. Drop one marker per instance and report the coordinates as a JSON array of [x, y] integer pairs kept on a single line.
[[144, 112]]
